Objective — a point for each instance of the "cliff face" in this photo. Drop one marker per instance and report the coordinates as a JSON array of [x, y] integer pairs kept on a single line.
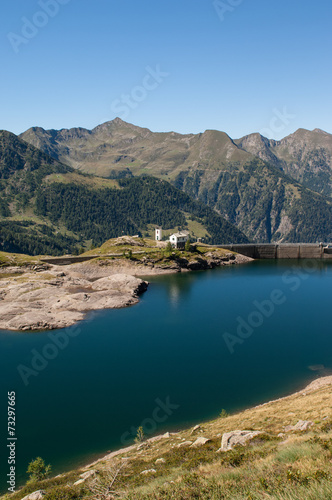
[[260, 200], [305, 156]]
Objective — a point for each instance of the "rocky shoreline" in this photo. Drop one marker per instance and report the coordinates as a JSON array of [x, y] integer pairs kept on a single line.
[[47, 297], [58, 298], [313, 386]]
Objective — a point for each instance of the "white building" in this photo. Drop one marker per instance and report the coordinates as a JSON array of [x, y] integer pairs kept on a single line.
[[158, 233], [178, 240]]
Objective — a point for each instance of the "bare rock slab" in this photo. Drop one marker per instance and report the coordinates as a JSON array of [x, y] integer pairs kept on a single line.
[[201, 441], [231, 439], [46, 301], [148, 471], [185, 443], [36, 495], [302, 425]]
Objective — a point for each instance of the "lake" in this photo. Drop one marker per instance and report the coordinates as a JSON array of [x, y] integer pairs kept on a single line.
[[195, 344]]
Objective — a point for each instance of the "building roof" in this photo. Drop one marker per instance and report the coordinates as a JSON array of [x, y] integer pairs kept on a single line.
[[179, 235]]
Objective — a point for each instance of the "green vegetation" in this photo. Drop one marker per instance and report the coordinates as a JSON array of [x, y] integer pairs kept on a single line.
[[47, 208], [265, 188], [79, 209], [140, 435], [263, 202], [38, 471], [34, 239], [107, 213], [12, 259], [223, 413], [168, 248], [187, 246]]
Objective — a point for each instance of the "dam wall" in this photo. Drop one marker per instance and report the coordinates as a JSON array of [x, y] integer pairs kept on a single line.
[[281, 250]]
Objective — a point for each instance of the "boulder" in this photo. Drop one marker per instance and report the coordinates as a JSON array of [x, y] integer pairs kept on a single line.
[[196, 428], [185, 443], [302, 425], [80, 481], [88, 474], [160, 461], [201, 441], [148, 471], [231, 439], [36, 495]]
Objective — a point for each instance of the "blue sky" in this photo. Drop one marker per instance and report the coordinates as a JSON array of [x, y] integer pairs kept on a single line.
[[184, 65]]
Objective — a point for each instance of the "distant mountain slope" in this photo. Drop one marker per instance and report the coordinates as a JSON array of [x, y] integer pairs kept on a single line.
[[117, 145], [22, 170], [265, 204], [47, 207], [105, 213], [305, 155], [247, 181]]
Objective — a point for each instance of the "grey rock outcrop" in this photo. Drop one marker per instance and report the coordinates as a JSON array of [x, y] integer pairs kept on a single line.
[[148, 471], [86, 475], [184, 444], [201, 441], [36, 495], [302, 425], [231, 439], [45, 301]]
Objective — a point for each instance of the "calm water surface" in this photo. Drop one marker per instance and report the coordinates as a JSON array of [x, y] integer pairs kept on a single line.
[[169, 348]]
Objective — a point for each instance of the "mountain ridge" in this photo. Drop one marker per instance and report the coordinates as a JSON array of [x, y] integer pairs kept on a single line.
[[262, 186], [48, 207]]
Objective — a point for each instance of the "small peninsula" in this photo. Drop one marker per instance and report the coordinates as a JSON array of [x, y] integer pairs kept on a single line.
[[42, 293]]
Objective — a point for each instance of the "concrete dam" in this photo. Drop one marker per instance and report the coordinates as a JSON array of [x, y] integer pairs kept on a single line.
[[282, 250]]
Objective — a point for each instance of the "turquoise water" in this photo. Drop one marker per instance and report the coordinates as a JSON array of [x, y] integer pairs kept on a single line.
[[170, 349]]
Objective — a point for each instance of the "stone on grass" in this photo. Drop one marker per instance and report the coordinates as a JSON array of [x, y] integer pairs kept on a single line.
[[231, 439], [36, 495], [201, 441], [302, 425], [185, 443], [148, 471], [87, 474]]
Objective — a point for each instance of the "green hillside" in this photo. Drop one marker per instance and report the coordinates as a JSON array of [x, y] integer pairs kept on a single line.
[[48, 208], [109, 212], [262, 202], [272, 191]]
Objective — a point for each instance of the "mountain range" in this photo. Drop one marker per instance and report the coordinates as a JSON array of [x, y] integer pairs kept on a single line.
[[46, 207], [272, 191]]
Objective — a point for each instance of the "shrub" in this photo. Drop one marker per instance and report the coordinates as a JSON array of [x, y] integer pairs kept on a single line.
[[140, 435], [38, 470]]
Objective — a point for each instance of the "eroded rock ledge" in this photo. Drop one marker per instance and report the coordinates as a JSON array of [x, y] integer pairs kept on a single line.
[[47, 296], [58, 298]]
